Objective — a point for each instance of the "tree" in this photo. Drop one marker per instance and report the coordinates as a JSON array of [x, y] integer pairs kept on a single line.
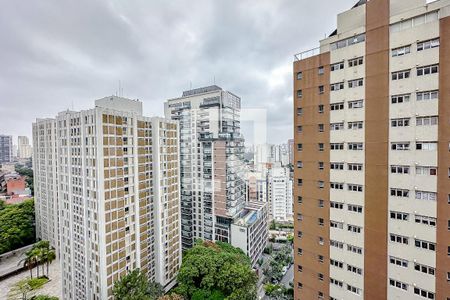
[[135, 286], [45, 297], [216, 271], [277, 292], [172, 296], [28, 261], [24, 287], [17, 226]]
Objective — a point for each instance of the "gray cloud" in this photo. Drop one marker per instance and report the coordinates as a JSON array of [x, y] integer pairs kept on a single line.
[[59, 53]]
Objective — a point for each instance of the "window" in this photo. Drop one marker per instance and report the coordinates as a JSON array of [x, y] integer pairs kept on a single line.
[[354, 249], [299, 199], [400, 98], [320, 221], [348, 42], [336, 263], [402, 122], [422, 170], [430, 146], [399, 239], [355, 62], [337, 106], [336, 224], [423, 293], [354, 269], [428, 95], [398, 284], [320, 203], [424, 269], [355, 146], [400, 169], [337, 86], [321, 70], [299, 182], [427, 121], [299, 129], [299, 75], [321, 241], [321, 165], [337, 166], [401, 75], [299, 147], [353, 289], [355, 83], [355, 187], [396, 215], [428, 44], [299, 234], [425, 245], [421, 195], [321, 146], [299, 251], [355, 125], [337, 244], [321, 89], [299, 285], [320, 108], [399, 192], [337, 126], [354, 167], [299, 268], [336, 205], [427, 70], [400, 146], [355, 208], [401, 51], [299, 93], [299, 111], [320, 276], [398, 261], [337, 186], [416, 21], [337, 66], [320, 127], [354, 228], [355, 104], [336, 282], [300, 217], [299, 164], [337, 146]]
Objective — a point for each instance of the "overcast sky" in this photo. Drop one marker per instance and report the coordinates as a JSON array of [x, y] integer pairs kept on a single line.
[[55, 54]]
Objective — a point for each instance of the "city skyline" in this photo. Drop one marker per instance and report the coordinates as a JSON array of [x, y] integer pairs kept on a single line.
[[70, 61]]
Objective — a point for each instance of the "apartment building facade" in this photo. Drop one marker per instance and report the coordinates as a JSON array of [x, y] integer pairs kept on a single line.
[[116, 189], [280, 193], [23, 147], [6, 148], [372, 160], [211, 154]]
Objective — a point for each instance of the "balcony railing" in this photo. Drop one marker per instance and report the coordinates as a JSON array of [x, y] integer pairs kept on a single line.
[[306, 54]]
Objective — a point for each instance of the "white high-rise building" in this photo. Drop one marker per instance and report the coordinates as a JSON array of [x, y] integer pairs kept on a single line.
[[111, 177], [280, 193], [212, 170]]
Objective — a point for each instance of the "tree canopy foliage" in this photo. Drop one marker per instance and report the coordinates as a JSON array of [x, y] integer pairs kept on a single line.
[[17, 225], [216, 271], [135, 286]]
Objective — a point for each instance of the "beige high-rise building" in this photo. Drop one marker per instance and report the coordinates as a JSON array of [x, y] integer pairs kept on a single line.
[[113, 184], [372, 160], [23, 147]]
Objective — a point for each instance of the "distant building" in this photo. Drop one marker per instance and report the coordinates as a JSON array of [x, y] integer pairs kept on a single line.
[[280, 193], [24, 147], [15, 185], [6, 149]]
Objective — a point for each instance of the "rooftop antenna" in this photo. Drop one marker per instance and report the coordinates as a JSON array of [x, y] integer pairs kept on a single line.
[[190, 85]]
